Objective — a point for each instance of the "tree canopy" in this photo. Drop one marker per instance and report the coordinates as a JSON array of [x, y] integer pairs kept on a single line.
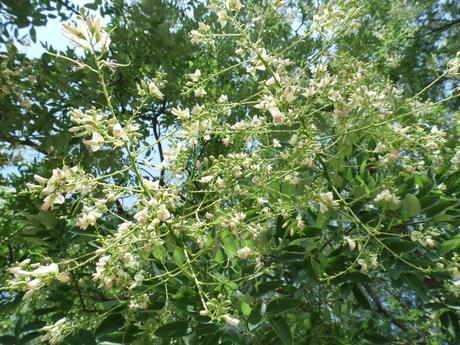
[[231, 172]]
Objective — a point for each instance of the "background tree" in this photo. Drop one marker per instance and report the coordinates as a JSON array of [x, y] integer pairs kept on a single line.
[[337, 270]]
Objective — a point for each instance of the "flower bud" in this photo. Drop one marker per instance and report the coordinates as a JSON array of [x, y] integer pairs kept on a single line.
[[118, 131], [231, 320]]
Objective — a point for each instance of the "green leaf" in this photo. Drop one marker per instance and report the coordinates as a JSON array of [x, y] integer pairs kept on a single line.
[[33, 34], [255, 318], [109, 324], [282, 305], [219, 256], [411, 205], [8, 340], [440, 208], [425, 190], [450, 245], [374, 338], [282, 330], [312, 231], [159, 252], [439, 218], [84, 233], [125, 336], [415, 284], [400, 246], [245, 308], [205, 328], [79, 338], [178, 257], [30, 336], [229, 245], [33, 325], [175, 329], [44, 311], [10, 305], [360, 297], [352, 277], [47, 219], [263, 288]]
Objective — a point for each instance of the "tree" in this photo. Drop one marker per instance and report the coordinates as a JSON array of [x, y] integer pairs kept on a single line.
[[258, 172]]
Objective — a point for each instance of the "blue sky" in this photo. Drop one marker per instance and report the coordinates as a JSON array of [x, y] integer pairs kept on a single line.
[[50, 33]]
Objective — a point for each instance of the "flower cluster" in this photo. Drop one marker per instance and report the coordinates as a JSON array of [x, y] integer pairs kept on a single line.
[[388, 197], [32, 277], [62, 181], [217, 308], [56, 332], [102, 130], [87, 33], [292, 164], [425, 236]]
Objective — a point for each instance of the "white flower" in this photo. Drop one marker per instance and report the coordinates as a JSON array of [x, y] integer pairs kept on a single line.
[[181, 114], [118, 131], [326, 197], [196, 36], [276, 143], [123, 227], [223, 98], [204, 312], [18, 272], [93, 23], [27, 103], [104, 41], [380, 148], [240, 51], [35, 284], [351, 243], [364, 267], [221, 182], [63, 277], [95, 143], [142, 216], [327, 200], [226, 141], [43, 271], [54, 332], [244, 253], [155, 91], [163, 214], [40, 180], [231, 320], [430, 242], [277, 115], [223, 17], [387, 196], [50, 200], [89, 34], [197, 109], [152, 184], [200, 92], [206, 179], [195, 76], [233, 5], [33, 187], [455, 160], [89, 217]]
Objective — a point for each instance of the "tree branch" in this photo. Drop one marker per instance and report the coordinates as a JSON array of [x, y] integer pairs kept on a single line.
[[382, 310], [30, 143], [442, 28], [157, 135], [70, 8]]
